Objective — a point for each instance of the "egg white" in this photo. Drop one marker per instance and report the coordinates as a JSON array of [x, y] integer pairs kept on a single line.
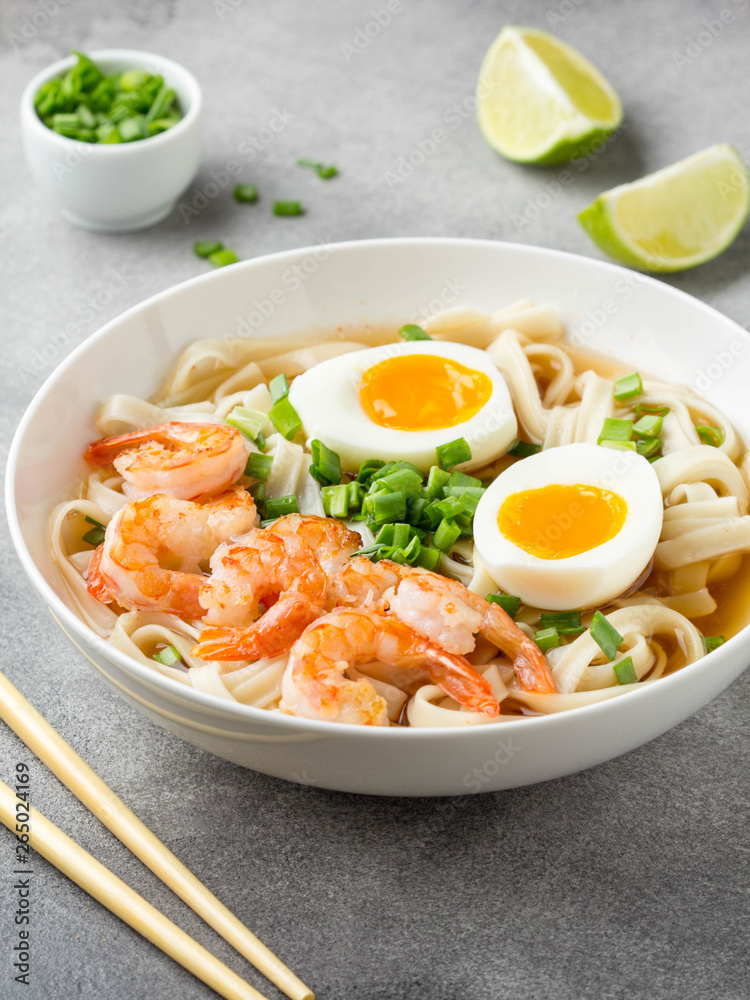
[[589, 579], [327, 400]]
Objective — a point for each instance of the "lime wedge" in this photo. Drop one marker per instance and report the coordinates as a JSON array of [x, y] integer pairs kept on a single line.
[[540, 101], [675, 218]]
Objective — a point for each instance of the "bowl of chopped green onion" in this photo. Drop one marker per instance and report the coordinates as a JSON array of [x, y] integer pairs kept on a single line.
[[113, 137]]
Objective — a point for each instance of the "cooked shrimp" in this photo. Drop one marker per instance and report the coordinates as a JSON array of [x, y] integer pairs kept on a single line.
[[444, 611], [153, 550], [279, 570], [331, 541], [180, 460], [315, 685]]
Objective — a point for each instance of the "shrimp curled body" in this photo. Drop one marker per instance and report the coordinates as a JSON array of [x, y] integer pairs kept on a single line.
[[154, 550], [178, 459], [315, 684], [442, 610], [287, 566]]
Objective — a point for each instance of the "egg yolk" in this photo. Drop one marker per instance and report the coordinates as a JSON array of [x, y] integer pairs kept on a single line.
[[556, 522], [422, 392]]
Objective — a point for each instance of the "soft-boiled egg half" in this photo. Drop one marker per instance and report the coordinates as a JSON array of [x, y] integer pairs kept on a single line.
[[572, 527], [400, 401]]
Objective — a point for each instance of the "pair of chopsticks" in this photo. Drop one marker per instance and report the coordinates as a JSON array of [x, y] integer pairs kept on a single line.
[[64, 853]]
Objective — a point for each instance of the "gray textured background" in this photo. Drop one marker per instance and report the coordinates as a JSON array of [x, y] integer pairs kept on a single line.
[[629, 880]]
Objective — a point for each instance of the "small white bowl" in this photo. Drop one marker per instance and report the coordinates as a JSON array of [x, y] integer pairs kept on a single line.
[[643, 322], [125, 186]]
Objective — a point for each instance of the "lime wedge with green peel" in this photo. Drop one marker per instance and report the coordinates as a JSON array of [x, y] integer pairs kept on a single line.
[[540, 101], [676, 218]]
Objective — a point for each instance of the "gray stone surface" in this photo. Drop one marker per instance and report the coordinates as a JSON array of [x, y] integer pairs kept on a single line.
[[629, 880]]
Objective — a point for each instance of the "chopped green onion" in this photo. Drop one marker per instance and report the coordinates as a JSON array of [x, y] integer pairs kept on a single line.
[[448, 507], [258, 466], [249, 422], [620, 445], [132, 128], [712, 642], [428, 557], [652, 409], [285, 418], [566, 622], [648, 447], [222, 257], [625, 671], [462, 479], [446, 536], [403, 480], [288, 208], [132, 79], [453, 453], [92, 520], [468, 495], [279, 506], [168, 655], [94, 537], [278, 387], [207, 248], [336, 500], [606, 636], [326, 464], [648, 426], [437, 479], [628, 386], [507, 602], [413, 332], [325, 173], [162, 103], [523, 449], [379, 508], [711, 435], [356, 494], [615, 429], [246, 194], [258, 492], [368, 469], [547, 638]]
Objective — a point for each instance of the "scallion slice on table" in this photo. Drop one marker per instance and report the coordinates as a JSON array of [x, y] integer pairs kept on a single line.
[[413, 332], [206, 248], [507, 602], [606, 636], [288, 208], [628, 386], [222, 257], [453, 453], [324, 172], [246, 194]]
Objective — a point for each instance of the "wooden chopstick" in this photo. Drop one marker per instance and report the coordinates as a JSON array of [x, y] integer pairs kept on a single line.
[[97, 796], [80, 866]]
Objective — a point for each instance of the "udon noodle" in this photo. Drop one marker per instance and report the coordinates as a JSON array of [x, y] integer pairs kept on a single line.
[[561, 396]]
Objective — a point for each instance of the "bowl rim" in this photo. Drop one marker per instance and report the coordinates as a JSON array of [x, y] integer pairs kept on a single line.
[[237, 710], [31, 119]]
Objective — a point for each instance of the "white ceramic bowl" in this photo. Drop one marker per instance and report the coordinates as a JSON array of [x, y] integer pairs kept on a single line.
[[125, 186], [645, 323]]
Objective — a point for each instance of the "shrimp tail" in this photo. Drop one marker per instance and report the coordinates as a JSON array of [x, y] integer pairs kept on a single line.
[[456, 676], [95, 583], [529, 663], [273, 634], [102, 452]]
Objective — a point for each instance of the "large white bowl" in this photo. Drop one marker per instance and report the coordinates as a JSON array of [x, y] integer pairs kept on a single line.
[[647, 324]]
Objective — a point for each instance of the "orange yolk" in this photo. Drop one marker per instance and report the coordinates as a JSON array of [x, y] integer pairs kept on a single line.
[[422, 392], [556, 522]]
